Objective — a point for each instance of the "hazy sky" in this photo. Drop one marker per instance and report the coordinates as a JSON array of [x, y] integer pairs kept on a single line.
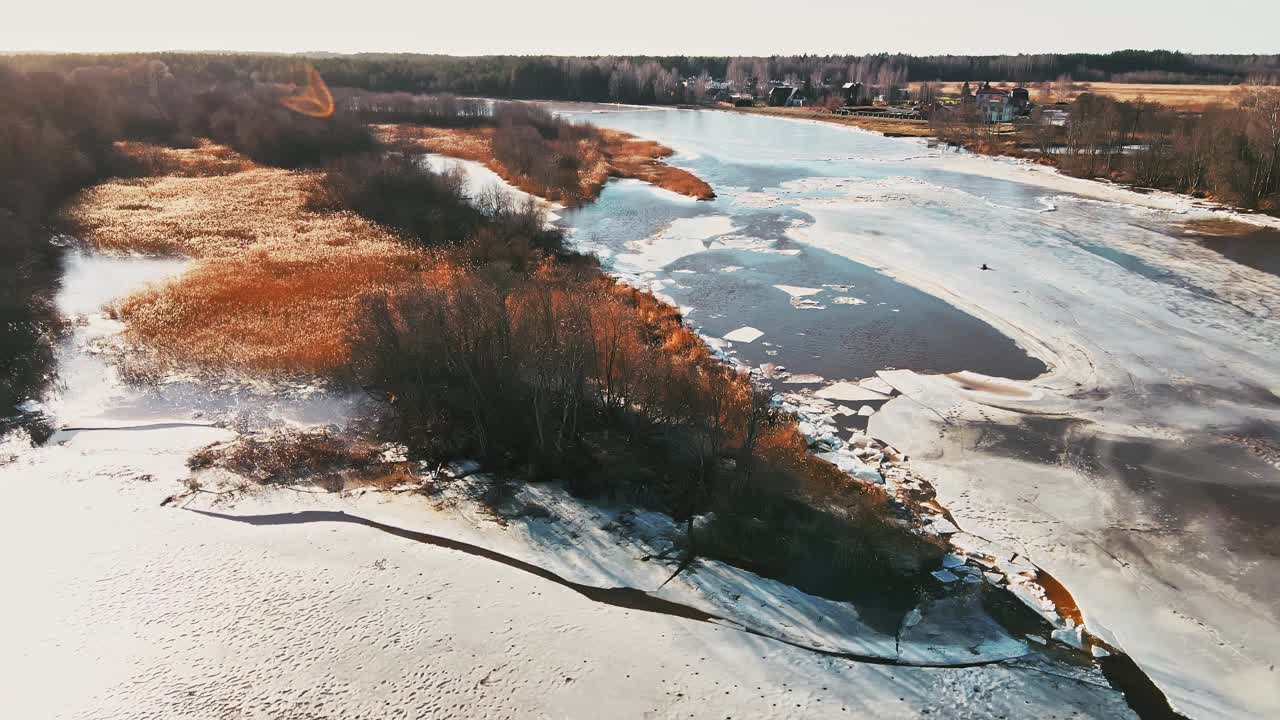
[[660, 27]]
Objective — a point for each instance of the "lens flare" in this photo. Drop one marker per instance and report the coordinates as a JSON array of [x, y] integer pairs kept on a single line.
[[315, 101]]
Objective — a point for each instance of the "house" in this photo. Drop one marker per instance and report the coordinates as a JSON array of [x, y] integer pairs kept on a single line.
[[742, 100], [994, 105], [785, 96], [854, 93], [1021, 98]]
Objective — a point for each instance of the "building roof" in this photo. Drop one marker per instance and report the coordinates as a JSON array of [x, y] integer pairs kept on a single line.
[[992, 91]]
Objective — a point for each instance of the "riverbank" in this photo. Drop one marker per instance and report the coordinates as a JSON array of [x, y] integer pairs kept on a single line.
[[887, 126]]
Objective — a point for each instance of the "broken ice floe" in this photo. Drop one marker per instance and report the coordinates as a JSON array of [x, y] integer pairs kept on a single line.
[[849, 392], [848, 300], [877, 384], [746, 334]]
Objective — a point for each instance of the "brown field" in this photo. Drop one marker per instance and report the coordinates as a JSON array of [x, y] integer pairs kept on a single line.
[[618, 155], [204, 160], [274, 287], [889, 126], [1185, 97]]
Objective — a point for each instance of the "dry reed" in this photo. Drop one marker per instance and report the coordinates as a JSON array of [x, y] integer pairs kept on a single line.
[[275, 286]]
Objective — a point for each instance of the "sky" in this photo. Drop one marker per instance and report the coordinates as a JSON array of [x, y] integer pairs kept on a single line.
[[652, 27]]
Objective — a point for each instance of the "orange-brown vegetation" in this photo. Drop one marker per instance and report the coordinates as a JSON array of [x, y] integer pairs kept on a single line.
[[630, 157], [609, 153], [139, 159], [566, 373], [275, 286]]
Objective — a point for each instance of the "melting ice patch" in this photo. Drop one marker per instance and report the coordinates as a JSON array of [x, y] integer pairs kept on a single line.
[[746, 334], [683, 237]]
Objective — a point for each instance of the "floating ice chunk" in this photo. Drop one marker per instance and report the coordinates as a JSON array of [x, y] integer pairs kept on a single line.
[[773, 371], [952, 561], [849, 392], [994, 578], [745, 334], [731, 268], [866, 411], [944, 576], [859, 440], [798, 292], [848, 300], [846, 411], [802, 303], [1099, 652], [1037, 639]]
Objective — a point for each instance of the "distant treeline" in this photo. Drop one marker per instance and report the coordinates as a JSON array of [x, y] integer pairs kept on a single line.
[[647, 80]]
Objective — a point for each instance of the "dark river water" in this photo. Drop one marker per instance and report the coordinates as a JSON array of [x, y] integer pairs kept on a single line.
[[851, 322]]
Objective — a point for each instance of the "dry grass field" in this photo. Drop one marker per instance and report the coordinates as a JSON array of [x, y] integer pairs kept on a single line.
[[1185, 97], [274, 287]]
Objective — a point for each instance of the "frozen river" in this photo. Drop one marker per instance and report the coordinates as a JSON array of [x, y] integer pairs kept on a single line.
[[1138, 456]]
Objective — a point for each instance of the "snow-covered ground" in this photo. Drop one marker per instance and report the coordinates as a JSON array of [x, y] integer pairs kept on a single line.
[[120, 608], [298, 603]]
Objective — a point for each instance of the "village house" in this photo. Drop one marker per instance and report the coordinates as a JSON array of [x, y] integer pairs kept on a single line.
[[785, 96], [855, 93], [994, 104]]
